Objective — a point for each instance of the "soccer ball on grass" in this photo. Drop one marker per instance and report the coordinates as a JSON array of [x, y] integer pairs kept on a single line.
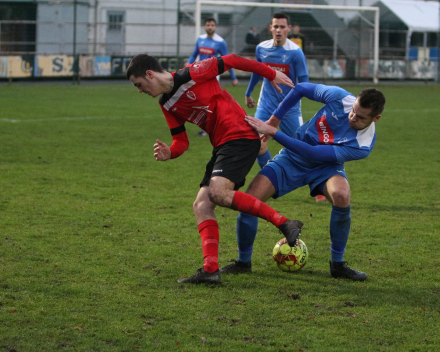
[[290, 258]]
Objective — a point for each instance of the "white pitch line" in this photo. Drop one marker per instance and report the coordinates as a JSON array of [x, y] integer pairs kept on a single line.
[[75, 118], [304, 113]]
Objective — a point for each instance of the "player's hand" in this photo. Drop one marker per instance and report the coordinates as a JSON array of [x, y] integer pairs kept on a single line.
[[273, 121], [281, 78], [161, 151], [235, 82], [250, 102], [261, 126]]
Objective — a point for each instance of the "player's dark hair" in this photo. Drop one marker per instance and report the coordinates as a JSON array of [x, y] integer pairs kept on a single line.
[[210, 19], [371, 98], [142, 63], [280, 15]]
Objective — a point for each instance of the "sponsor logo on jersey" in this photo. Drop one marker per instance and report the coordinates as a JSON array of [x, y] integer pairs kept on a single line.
[[200, 116], [278, 67], [191, 95], [284, 58], [214, 171], [334, 115], [325, 134], [206, 51]]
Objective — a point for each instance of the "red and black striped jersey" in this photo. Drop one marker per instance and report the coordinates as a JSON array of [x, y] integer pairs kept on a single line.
[[198, 98]]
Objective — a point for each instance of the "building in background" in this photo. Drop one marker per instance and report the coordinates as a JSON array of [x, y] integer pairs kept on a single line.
[[107, 32]]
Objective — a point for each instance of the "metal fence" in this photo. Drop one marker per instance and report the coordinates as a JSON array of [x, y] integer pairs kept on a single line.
[[336, 52]]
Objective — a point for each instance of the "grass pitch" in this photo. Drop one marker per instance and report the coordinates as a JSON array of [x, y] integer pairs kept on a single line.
[[95, 233]]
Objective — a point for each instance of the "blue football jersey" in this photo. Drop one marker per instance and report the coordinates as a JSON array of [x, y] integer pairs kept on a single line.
[[288, 59], [330, 126], [210, 47]]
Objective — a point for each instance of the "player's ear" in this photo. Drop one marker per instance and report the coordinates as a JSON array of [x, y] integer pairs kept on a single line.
[[376, 118], [149, 74]]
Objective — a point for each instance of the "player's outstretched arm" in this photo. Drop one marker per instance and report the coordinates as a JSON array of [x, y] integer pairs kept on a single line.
[[241, 63], [261, 126], [161, 151]]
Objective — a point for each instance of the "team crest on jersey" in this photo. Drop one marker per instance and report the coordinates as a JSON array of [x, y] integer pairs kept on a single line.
[[325, 134], [191, 95], [342, 140]]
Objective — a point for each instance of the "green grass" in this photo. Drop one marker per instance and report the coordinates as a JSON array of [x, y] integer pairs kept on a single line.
[[95, 233]]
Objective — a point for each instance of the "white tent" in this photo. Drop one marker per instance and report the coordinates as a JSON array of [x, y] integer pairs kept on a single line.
[[418, 16]]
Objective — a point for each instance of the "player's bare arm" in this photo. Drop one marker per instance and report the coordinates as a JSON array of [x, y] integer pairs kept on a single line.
[[274, 122], [161, 151], [250, 102], [281, 78], [261, 126]]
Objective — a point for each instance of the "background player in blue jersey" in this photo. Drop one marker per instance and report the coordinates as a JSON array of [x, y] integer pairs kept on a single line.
[[283, 55], [342, 130], [209, 45]]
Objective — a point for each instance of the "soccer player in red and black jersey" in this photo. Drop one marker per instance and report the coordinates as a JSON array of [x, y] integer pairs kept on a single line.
[[194, 95]]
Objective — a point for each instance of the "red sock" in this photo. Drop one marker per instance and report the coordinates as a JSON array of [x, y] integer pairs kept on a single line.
[[209, 234], [250, 205]]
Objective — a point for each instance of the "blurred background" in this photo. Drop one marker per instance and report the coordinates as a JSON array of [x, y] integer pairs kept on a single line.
[[97, 38]]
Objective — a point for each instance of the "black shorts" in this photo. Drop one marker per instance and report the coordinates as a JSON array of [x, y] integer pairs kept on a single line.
[[232, 160]]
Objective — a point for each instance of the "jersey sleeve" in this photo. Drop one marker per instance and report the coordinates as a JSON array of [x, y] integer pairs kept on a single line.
[[180, 142], [317, 92], [300, 64], [294, 96], [193, 56], [214, 66], [247, 65], [322, 153], [344, 153], [255, 78], [223, 50], [205, 69]]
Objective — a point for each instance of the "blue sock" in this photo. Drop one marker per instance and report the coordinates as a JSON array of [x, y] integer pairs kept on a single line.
[[339, 230], [263, 159], [247, 226]]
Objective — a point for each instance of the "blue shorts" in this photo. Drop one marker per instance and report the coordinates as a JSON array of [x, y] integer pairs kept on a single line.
[[287, 175], [290, 122]]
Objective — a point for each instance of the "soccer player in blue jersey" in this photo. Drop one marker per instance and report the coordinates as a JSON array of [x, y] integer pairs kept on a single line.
[[342, 130], [283, 55], [209, 45]]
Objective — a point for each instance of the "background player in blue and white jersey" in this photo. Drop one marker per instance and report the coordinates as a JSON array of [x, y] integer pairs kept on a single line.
[[209, 45], [342, 130], [280, 54]]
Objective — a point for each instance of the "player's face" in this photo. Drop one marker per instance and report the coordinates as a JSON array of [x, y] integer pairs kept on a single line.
[[359, 117], [146, 84], [210, 28], [279, 29]]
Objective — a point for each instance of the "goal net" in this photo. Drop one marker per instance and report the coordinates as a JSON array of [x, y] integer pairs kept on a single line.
[[338, 41]]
